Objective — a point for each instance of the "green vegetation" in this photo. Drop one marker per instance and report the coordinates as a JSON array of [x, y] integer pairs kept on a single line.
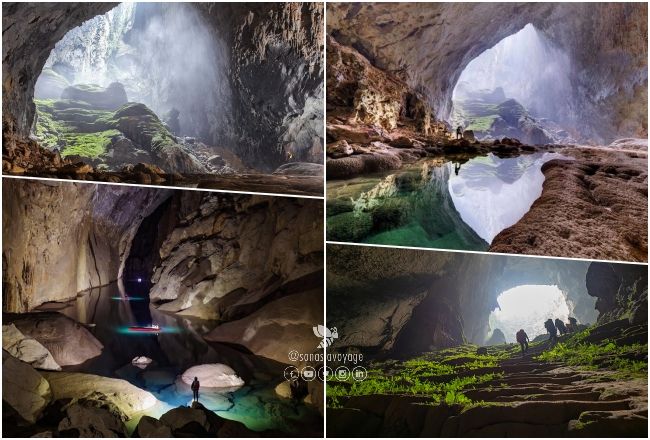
[[77, 129], [576, 351], [441, 376], [74, 129], [90, 145], [481, 123]]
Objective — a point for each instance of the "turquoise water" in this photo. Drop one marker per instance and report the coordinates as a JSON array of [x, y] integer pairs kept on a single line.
[[436, 203], [109, 313]]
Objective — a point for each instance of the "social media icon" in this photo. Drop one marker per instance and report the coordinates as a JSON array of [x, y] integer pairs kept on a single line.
[[324, 373], [342, 373], [309, 373], [291, 373], [359, 374]]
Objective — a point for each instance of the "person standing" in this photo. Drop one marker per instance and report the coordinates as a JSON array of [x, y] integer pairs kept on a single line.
[[195, 389], [523, 340]]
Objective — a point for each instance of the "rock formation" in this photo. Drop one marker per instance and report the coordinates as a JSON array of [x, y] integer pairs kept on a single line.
[[428, 47], [79, 233], [276, 59], [27, 349], [68, 341], [407, 302], [621, 291], [23, 388]]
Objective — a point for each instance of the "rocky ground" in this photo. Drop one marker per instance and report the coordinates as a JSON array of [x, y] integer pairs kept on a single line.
[[595, 206], [94, 134], [592, 383]]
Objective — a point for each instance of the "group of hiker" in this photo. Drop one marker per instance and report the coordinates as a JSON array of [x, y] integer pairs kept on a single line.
[[553, 328]]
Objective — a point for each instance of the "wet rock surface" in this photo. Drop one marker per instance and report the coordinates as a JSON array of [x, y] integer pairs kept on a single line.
[[24, 389], [27, 349], [91, 243], [592, 207], [68, 342]]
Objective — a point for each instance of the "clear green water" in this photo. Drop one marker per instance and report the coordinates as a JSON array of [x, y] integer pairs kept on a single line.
[[436, 203]]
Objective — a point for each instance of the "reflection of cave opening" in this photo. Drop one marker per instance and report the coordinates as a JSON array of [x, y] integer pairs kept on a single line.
[[528, 307], [164, 56], [519, 88], [143, 257]]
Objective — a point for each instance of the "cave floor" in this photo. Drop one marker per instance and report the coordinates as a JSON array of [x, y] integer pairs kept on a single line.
[[592, 383]]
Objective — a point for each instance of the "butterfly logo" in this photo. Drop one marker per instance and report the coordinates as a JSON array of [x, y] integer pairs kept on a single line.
[[327, 335]]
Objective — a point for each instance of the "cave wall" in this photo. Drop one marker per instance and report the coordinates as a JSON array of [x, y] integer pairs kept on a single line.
[[276, 73], [29, 33], [621, 291], [401, 302], [277, 70], [227, 251], [61, 238], [429, 45]]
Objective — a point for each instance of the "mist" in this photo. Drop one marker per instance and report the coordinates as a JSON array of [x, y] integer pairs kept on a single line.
[[163, 53], [529, 69]]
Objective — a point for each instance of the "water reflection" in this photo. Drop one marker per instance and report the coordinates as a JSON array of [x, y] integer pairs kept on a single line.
[[111, 311], [492, 194], [437, 203]]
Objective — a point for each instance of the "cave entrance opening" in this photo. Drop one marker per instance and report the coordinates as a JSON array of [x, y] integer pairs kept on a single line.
[[528, 307], [162, 60], [143, 256], [520, 88]]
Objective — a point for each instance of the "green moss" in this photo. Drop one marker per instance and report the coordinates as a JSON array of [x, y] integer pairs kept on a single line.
[[91, 145], [481, 123], [349, 226], [576, 351]]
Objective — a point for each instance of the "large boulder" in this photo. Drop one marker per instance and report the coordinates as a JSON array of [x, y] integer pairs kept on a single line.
[[123, 397], [277, 328], [196, 421], [212, 376], [27, 349], [69, 342], [148, 427], [86, 418], [23, 388], [141, 125], [109, 98]]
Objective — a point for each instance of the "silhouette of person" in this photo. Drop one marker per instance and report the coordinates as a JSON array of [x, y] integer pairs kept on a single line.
[[560, 326], [459, 132], [573, 324], [523, 340], [551, 329], [195, 389], [456, 168]]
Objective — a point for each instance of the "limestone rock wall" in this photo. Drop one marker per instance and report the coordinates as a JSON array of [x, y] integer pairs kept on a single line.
[[230, 254], [276, 73], [61, 238], [428, 46], [621, 291], [397, 301]]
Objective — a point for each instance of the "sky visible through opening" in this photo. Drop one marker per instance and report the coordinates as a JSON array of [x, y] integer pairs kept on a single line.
[[527, 67], [527, 307]]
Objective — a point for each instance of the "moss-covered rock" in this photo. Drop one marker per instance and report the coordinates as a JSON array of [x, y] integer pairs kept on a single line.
[[391, 213], [349, 226], [339, 206], [131, 134]]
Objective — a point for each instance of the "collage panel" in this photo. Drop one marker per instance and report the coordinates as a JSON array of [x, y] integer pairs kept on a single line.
[[450, 344], [151, 312], [518, 128], [212, 95]]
